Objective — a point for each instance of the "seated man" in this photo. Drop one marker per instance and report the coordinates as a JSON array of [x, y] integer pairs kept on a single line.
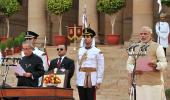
[[32, 65], [63, 63]]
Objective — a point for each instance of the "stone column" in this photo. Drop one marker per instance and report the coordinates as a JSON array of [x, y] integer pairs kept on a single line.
[[37, 18], [142, 16], [92, 16]]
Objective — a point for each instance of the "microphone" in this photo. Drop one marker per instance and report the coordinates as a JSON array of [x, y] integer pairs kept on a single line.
[[132, 47], [143, 48], [3, 59], [146, 46], [136, 45], [6, 59]]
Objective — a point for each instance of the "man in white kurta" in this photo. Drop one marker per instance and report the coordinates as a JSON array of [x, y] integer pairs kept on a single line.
[[90, 67], [162, 30], [149, 84]]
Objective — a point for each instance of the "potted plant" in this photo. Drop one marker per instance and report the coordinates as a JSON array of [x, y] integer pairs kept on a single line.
[[111, 7], [166, 2], [3, 47], [16, 45], [167, 93], [58, 7], [8, 8], [21, 37], [9, 44]]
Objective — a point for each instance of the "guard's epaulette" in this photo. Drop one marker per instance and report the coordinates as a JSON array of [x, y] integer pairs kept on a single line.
[[100, 52]]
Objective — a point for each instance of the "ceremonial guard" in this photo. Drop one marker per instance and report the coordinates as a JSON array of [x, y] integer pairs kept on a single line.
[[162, 30], [90, 67]]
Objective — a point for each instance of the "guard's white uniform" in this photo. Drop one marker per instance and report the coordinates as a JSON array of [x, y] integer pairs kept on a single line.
[[95, 59], [162, 30], [42, 56]]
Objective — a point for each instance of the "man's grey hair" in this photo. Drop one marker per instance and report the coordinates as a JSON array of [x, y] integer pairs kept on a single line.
[[146, 29], [29, 44]]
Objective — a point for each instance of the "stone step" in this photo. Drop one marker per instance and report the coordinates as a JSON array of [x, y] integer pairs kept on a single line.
[[115, 82]]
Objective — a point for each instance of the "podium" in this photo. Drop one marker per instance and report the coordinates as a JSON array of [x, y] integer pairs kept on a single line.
[[43, 93]]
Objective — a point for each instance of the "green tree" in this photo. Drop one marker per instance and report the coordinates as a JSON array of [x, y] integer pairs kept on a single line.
[[9, 8], [166, 2], [21, 38], [110, 7], [10, 43], [167, 93], [2, 46], [58, 7]]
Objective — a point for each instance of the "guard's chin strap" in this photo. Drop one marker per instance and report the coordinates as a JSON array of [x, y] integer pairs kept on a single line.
[[82, 43]]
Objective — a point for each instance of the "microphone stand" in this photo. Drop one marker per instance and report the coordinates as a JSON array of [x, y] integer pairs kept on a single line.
[[6, 70], [133, 82], [5, 75], [131, 52]]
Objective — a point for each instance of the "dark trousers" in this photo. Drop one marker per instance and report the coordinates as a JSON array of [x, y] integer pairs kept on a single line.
[[87, 93], [165, 51]]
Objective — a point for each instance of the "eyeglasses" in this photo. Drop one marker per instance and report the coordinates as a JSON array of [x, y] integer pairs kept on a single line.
[[24, 49], [60, 49]]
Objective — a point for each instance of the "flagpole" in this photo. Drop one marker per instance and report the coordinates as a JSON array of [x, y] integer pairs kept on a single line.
[[84, 17], [160, 6], [45, 50]]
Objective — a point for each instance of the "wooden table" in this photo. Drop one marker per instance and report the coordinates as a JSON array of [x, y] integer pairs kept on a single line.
[[29, 93]]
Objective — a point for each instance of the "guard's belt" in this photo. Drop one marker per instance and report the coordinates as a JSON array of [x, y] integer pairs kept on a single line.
[[88, 69]]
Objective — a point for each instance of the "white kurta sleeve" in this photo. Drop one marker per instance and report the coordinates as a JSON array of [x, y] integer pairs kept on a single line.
[[157, 28], [100, 68], [162, 62], [130, 64], [165, 36]]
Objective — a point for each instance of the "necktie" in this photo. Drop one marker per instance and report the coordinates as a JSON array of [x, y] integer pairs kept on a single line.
[[59, 62]]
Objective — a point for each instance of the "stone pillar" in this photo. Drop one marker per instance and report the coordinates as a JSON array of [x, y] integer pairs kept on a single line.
[[37, 18], [92, 16], [142, 16]]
